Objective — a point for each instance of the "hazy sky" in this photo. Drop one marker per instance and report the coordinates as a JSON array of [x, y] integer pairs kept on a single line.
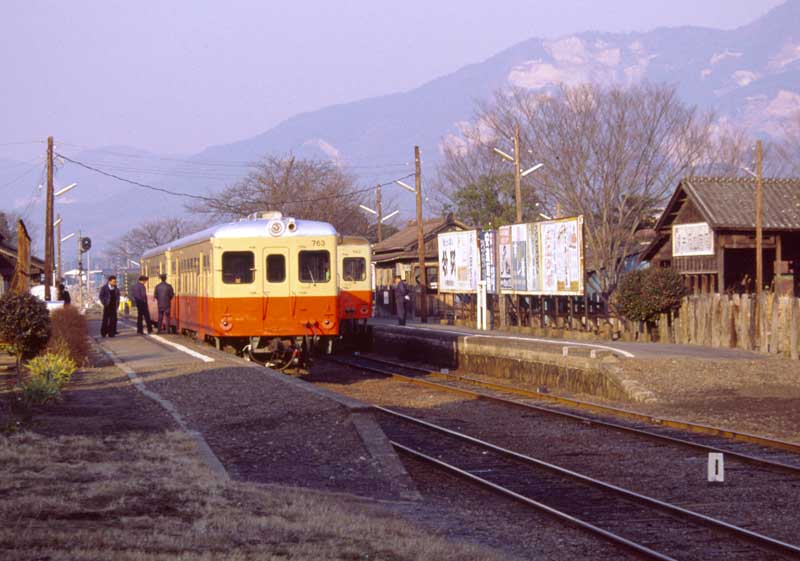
[[179, 75]]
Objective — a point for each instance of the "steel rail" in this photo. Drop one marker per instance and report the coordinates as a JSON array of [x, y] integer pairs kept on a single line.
[[753, 537], [619, 540], [670, 423]]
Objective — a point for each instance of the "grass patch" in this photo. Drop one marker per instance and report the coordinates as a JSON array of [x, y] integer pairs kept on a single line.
[[148, 497]]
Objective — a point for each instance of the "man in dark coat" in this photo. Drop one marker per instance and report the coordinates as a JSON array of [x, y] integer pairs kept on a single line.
[[139, 296], [64, 294], [109, 297], [164, 295], [401, 299]]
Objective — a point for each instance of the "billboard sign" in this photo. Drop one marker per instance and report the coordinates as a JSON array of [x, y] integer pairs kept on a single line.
[[692, 239], [459, 261], [542, 258]]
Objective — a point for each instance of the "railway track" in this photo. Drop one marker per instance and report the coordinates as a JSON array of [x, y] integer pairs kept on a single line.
[[750, 449], [647, 527]]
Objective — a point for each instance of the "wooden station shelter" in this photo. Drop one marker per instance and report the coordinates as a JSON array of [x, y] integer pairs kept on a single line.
[[707, 233], [397, 254]]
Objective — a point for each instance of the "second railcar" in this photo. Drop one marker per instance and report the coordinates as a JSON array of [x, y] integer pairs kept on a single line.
[[355, 290]]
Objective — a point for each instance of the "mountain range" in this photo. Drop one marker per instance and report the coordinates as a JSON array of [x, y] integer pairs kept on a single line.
[[749, 76]]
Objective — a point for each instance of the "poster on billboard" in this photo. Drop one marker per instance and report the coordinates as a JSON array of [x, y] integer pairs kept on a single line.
[[487, 250], [519, 256], [459, 261], [562, 251], [543, 258], [534, 268], [692, 239], [504, 251]]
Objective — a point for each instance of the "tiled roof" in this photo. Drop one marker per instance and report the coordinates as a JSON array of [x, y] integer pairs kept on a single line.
[[407, 237], [730, 202]]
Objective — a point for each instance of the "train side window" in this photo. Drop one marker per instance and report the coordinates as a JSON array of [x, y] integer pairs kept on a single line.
[[276, 268], [315, 266], [354, 269], [237, 267]]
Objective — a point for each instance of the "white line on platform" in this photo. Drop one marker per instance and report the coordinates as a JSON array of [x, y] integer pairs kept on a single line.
[[561, 342], [181, 348]]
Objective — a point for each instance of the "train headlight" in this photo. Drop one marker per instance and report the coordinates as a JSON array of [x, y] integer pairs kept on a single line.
[[276, 227]]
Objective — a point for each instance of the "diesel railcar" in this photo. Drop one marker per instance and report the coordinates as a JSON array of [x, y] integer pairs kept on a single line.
[[355, 290], [265, 285]]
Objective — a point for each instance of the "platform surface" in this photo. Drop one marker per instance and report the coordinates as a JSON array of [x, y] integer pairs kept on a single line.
[[621, 348]]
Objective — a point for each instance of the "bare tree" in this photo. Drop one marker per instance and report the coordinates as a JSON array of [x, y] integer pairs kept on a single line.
[[308, 189], [612, 154], [149, 235]]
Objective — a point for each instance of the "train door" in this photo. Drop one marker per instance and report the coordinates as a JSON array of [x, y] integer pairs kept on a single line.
[[277, 303]]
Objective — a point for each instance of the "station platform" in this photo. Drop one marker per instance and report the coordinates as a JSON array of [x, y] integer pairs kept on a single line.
[[621, 349], [258, 425], [612, 370]]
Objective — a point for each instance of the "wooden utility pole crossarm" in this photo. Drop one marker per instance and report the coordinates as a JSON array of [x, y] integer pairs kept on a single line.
[[423, 277], [48, 223]]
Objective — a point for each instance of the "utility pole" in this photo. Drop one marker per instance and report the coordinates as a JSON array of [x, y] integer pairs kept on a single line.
[[80, 272], [423, 276], [517, 174], [759, 233], [380, 212], [59, 272], [48, 223], [759, 236]]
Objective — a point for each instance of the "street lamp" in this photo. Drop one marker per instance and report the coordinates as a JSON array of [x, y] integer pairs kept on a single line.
[[65, 189], [57, 226], [405, 186]]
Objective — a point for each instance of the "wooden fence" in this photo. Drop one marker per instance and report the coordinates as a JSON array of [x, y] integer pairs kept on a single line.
[[736, 321]]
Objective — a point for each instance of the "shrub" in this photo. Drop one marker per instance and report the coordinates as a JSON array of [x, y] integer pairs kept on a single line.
[[24, 325], [71, 332], [57, 367], [39, 390], [645, 293]]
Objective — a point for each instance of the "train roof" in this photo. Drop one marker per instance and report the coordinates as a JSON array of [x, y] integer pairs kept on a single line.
[[248, 228]]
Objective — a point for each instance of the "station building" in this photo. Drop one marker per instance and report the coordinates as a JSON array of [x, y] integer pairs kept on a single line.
[[707, 234]]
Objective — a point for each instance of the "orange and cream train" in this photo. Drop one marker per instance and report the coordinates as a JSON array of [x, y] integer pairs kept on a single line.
[[267, 285], [355, 290]]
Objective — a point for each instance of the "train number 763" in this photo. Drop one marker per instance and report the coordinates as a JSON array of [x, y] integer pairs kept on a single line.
[[317, 243]]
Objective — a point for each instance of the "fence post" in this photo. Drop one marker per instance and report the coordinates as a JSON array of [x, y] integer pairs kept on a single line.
[[794, 320]]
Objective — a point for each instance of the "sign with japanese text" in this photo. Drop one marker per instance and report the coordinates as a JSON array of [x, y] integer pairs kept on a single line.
[[692, 239]]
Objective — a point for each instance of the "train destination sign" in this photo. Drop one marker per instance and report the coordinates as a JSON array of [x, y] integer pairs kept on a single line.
[[692, 239]]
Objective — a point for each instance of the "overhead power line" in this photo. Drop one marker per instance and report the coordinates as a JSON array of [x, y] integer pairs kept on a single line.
[[210, 199]]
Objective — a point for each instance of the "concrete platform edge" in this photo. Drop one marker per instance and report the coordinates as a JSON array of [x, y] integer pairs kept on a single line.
[[208, 456], [369, 431]]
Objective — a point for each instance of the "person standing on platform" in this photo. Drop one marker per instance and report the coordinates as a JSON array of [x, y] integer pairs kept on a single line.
[[109, 297], [139, 295], [64, 294], [401, 299], [164, 295]]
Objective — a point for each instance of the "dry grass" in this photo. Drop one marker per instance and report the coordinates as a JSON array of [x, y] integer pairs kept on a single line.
[[147, 497]]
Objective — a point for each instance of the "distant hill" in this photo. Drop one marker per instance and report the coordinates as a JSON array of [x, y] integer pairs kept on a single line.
[[749, 76]]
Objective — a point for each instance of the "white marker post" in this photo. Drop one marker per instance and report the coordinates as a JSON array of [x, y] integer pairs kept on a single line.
[[716, 467]]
